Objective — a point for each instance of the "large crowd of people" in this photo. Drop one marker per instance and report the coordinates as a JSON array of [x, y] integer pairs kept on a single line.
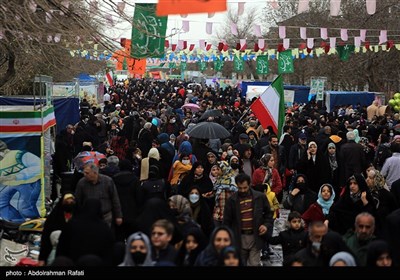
[[159, 197]]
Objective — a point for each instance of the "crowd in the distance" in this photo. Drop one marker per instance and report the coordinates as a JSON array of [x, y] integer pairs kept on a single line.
[[158, 197]]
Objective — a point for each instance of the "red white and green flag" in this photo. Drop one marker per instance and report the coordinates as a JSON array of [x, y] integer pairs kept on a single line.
[[109, 78], [269, 107]]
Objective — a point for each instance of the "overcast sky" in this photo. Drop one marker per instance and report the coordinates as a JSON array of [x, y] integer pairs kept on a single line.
[[197, 23]]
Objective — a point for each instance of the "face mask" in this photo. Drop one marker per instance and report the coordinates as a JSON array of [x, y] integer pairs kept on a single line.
[[186, 161], [230, 153], [391, 134], [235, 165], [371, 173], [316, 246], [301, 186], [86, 120], [194, 197], [138, 157], [68, 207], [172, 121], [138, 257], [72, 132]]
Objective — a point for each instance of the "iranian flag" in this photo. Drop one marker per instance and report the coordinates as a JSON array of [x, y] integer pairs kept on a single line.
[[270, 106], [109, 77]]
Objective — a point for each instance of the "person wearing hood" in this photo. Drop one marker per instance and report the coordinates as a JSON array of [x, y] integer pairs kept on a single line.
[[138, 251], [356, 198], [184, 148], [319, 210], [342, 259], [152, 159]]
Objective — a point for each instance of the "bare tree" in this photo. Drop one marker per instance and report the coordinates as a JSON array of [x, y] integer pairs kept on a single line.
[[36, 37], [375, 70]]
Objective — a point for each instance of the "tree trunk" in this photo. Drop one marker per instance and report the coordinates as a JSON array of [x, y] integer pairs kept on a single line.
[[10, 73]]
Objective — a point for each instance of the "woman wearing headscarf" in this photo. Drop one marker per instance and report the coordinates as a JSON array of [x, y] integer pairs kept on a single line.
[[356, 198], [301, 197], [194, 242], [137, 251], [311, 165], [221, 237], [180, 207], [267, 174], [196, 177], [319, 210], [330, 167], [342, 259], [223, 188], [87, 233], [385, 201], [379, 254], [201, 212]]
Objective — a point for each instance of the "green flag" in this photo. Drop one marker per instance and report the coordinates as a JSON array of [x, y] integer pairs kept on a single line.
[[285, 62], [218, 65], [262, 64], [345, 51], [171, 65], [148, 32], [202, 66], [183, 65], [238, 64]]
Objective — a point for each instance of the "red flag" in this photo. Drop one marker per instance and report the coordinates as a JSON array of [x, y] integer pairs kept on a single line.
[[367, 45], [191, 48], [166, 44], [327, 48], [237, 46], [208, 47], [390, 44], [226, 47], [173, 47], [302, 46], [184, 45], [220, 46], [244, 47], [256, 48], [280, 47]]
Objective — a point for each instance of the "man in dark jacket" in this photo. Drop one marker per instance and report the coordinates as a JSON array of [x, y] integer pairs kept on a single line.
[[249, 215]]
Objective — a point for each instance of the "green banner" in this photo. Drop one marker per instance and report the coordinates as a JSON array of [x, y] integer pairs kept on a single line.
[[218, 65], [183, 66], [171, 65], [148, 32], [202, 65], [238, 64], [345, 51], [285, 62], [262, 64]]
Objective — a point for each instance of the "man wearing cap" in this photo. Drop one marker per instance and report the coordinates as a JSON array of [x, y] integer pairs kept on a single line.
[[297, 151], [242, 145], [19, 182]]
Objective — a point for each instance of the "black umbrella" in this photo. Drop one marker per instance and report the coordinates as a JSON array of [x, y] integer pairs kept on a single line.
[[208, 130], [211, 113]]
